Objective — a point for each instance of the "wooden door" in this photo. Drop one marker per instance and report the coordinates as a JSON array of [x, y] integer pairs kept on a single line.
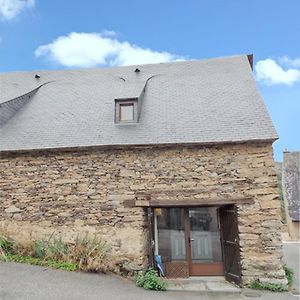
[[188, 241], [203, 242], [230, 243]]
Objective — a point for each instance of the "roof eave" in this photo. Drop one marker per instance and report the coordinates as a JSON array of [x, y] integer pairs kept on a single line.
[[139, 146]]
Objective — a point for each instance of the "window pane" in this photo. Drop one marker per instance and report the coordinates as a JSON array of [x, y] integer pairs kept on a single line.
[[126, 112], [205, 235], [171, 240]]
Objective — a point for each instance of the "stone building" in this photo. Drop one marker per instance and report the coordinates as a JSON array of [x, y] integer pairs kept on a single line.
[[291, 192], [170, 159]]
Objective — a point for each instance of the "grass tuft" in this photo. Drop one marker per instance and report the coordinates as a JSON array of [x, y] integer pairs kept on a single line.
[[39, 262], [6, 245], [289, 273], [90, 253], [267, 286]]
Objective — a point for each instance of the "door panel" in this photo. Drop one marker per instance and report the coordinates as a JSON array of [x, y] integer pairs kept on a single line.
[[177, 245], [201, 246], [207, 269], [205, 246], [204, 235], [172, 241], [230, 243]]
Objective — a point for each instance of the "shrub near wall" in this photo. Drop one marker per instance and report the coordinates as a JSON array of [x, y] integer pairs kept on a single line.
[[87, 253]]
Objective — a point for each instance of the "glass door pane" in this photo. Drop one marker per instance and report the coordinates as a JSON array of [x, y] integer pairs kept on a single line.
[[171, 235], [205, 235]]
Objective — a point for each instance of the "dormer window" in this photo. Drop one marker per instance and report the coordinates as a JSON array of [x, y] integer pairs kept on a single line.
[[126, 111]]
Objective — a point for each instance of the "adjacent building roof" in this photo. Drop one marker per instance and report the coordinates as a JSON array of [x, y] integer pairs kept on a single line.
[[291, 183], [206, 101]]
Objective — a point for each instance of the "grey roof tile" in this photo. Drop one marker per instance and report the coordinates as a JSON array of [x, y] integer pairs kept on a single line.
[[204, 101]]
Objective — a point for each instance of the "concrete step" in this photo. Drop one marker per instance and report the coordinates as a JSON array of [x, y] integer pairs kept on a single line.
[[205, 284]]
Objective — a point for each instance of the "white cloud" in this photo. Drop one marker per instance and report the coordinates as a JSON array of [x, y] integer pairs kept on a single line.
[[9, 9], [288, 62], [270, 72], [94, 49]]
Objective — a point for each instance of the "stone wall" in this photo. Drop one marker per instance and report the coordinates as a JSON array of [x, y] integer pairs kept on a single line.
[[90, 191]]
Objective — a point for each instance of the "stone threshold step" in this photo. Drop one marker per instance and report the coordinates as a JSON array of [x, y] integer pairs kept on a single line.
[[212, 286]]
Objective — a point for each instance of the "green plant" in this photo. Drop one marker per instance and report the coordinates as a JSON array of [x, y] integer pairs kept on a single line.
[[54, 248], [289, 273], [22, 259], [90, 253], [86, 253], [57, 247], [67, 266], [6, 245], [150, 281], [39, 249], [267, 286]]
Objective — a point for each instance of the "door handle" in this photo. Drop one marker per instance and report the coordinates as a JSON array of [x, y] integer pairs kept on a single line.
[[191, 240]]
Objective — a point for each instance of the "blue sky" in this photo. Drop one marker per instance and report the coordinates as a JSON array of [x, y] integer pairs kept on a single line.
[[39, 34]]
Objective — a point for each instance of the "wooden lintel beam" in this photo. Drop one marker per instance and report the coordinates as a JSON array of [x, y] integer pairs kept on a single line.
[[194, 202]]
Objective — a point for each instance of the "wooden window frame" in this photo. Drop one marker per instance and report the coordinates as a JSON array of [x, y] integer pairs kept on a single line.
[[120, 111], [127, 102]]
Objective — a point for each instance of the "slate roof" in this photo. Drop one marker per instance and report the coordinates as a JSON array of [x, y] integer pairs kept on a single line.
[[206, 101], [291, 183]]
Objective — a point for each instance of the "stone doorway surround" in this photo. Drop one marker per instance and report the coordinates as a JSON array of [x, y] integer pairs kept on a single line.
[[184, 198]]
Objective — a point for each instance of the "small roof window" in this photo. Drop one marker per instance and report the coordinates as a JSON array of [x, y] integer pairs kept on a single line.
[[126, 111]]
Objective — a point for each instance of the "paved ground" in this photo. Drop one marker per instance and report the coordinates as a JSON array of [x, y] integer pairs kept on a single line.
[[292, 259], [26, 282], [22, 282]]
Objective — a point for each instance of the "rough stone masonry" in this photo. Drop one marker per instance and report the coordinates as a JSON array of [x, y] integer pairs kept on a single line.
[[74, 192]]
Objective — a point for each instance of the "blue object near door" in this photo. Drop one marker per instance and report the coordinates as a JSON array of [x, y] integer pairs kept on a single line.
[[159, 265]]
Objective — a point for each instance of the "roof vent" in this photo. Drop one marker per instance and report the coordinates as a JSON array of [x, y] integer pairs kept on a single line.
[[137, 70], [37, 76]]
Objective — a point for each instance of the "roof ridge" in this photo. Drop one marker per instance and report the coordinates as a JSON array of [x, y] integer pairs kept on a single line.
[[107, 68]]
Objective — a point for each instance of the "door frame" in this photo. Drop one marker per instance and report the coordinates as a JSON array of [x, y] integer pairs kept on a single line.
[[190, 269]]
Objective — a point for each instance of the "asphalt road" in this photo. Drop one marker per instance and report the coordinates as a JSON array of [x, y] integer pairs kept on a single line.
[[26, 282], [291, 257]]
